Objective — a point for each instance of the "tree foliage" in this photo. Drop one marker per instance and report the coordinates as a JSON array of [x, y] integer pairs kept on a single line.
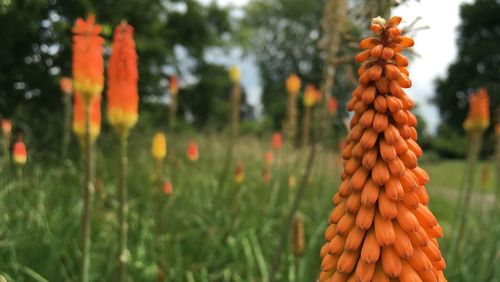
[[477, 64], [36, 48]]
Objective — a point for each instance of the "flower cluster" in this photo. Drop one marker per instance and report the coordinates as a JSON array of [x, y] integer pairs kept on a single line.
[[478, 117], [381, 227]]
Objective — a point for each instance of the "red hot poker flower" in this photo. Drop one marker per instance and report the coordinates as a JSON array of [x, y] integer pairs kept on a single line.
[[88, 64], [19, 154], [6, 125], [168, 188], [192, 151], [79, 116], [277, 141], [66, 85], [478, 117], [332, 105], [381, 228], [173, 85], [123, 97]]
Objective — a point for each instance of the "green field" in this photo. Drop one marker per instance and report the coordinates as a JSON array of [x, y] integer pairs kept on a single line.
[[215, 230]]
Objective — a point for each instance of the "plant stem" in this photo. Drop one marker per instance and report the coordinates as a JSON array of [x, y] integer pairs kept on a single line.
[[88, 191], [173, 112], [67, 125], [475, 139], [123, 253], [306, 126], [289, 220]]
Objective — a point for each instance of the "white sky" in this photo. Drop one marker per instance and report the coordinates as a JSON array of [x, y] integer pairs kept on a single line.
[[435, 47]]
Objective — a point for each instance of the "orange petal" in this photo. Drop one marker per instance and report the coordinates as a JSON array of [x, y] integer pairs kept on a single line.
[[354, 239], [364, 271], [362, 56], [376, 51], [353, 202], [396, 167], [380, 172], [329, 262], [384, 231], [391, 135], [359, 178], [345, 224], [380, 104], [330, 232], [364, 219], [366, 120], [387, 53], [370, 158], [394, 189], [369, 94], [368, 42], [347, 262], [370, 251], [336, 245], [386, 206], [406, 219], [391, 263], [402, 244], [380, 122], [369, 194], [369, 138]]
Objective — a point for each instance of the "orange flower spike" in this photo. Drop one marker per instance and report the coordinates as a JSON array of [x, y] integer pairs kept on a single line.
[[173, 85], [192, 151], [19, 155], [293, 84], [66, 85], [167, 188], [88, 63], [310, 95], [123, 98], [381, 227], [239, 174], [277, 141], [6, 125], [478, 118], [332, 105], [79, 116]]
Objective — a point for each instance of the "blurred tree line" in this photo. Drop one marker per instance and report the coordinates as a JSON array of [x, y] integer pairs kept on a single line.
[[477, 65], [36, 51]]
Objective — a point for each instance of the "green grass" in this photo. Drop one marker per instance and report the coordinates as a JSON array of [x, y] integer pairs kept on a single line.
[[215, 230]]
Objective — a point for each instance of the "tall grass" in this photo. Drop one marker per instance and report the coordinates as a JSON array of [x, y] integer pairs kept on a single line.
[[210, 234]]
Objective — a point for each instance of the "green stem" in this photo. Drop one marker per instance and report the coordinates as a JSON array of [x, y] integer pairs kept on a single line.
[[67, 125], [289, 220], [123, 254], [475, 147], [88, 191]]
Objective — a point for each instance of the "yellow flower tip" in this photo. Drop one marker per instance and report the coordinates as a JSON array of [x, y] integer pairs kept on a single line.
[[235, 74], [239, 173], [192, 151], [79, 116], [292, 181], [293, 84], [19, 154], [311, 95], [173, 85], [159, 146]]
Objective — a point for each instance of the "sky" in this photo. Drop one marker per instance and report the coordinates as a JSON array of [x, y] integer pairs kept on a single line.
[[435, 47]]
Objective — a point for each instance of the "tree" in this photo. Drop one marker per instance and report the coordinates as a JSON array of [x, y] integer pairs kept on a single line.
[[477, 63], [36, 49]]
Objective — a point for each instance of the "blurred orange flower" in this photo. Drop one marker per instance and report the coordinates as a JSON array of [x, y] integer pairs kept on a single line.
[[122, 80], [173, 85], [332, 105], [6, 126], [19, 154], [159, 146], [311, 94], [239, 173], [168, 188], [293, 84], [277, 141], [79, 116], [269, 157], [66, 85], [192, 151], [266, 175], [478, 117], [88, 63]]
